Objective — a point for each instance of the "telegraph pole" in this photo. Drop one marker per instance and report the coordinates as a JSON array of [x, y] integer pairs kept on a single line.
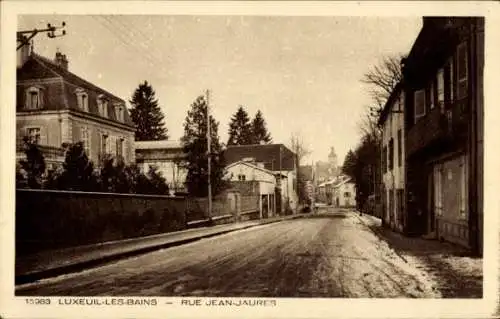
[[209, 153], [22, 35]]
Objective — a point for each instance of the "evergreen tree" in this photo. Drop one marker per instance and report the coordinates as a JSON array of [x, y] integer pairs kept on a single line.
[[147, 115], [240, 129], [34, 165], [78, 171], [260, 135], [195, 147], [349, 166], [113, 177], [158, 183]]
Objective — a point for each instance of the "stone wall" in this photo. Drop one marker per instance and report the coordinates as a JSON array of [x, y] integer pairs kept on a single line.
[[56, 219]]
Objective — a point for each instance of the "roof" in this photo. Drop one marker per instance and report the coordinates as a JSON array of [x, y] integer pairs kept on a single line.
[[389, 103], [269, 154], [61, 95], [343, 181], [155, 145], [252, 166]]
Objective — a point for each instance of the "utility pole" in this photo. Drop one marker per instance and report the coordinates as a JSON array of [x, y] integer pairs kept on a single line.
[[281, 187], [21, 35], [209, 153]]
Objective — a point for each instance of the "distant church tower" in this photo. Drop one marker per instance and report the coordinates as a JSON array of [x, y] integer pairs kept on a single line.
[[332, 161]]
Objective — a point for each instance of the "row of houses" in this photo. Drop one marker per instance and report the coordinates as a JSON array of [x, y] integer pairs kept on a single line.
[[55, 106], [337, 192], [432, 136]]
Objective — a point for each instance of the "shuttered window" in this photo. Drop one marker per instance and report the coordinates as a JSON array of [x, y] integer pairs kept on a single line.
[[400, 148], [462, 70], [419, 104], [440, 89], [463, 187], [85, 137]]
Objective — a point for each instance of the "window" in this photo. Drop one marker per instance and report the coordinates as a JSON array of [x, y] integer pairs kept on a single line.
[[85, 139], [440, 89], [419, 104], [347, 195], [33, 135], [400, 148], [384, 159], [82, 100], [463, 187], [449, 81], [33, 98], [102, 104], [104, 144], [119, 147], [241, 177], [119, 113], [462, 70], [391, 154], [438, 189], [429, 94]]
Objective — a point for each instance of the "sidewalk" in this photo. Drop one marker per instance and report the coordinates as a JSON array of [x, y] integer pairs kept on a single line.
[[455, 273], [57, 262]]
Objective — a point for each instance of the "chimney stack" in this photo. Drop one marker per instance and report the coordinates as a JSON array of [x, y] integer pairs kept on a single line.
[[61, 60], [24, 52]]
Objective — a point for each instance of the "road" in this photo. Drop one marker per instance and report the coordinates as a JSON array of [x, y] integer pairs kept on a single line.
[[331, 255]]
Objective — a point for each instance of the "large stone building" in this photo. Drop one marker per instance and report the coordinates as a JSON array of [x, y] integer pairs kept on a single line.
[[443, 85], [55, 106]]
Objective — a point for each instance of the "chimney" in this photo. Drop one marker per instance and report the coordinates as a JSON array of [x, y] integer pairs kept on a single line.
[[24, 52], [61, 60]]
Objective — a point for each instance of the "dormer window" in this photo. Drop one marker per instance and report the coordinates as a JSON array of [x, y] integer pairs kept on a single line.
[[102, 105], [120, 112], [33, 98], [82, 100]]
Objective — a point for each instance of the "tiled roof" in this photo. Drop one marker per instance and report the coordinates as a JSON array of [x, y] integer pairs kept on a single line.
[[268, 154], [61, 95], [251, 166]]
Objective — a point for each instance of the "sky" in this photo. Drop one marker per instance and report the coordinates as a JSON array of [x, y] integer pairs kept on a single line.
[[303, 73]]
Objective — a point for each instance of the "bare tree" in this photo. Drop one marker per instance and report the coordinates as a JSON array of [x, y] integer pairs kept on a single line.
[[298, 147], [383, 77]]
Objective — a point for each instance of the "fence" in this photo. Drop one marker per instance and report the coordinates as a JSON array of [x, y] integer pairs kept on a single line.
[[47, 219], [197, 208], [55, 219]]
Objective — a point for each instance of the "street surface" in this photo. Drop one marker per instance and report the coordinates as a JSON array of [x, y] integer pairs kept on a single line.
[[330, 255]]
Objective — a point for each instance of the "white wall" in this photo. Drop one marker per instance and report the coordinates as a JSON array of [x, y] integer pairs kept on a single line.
[[394, 179], [250, 173], [343, 200]]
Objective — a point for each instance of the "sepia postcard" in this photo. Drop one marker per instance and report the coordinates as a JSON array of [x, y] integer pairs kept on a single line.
[[249, 159]]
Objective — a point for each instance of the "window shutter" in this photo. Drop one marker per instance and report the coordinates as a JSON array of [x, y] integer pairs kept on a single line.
[[43, 136], [124, 150], [40, 99]]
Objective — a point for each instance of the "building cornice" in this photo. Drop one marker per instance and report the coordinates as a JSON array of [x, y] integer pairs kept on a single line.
[[95, 118], [51, 80]]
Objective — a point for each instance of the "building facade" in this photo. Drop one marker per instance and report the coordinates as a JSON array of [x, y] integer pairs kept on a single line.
[[167, 157], [344, 193], [263, 183], [55, 106], [391, 122], [443, 84], [276, 158]]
